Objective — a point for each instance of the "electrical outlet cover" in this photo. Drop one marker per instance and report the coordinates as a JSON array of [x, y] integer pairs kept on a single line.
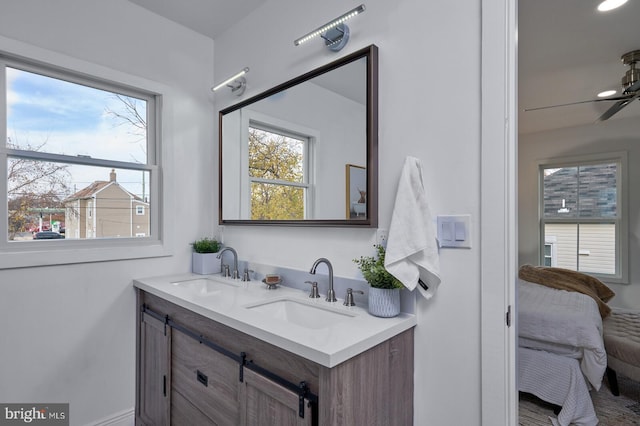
[[382, 235]]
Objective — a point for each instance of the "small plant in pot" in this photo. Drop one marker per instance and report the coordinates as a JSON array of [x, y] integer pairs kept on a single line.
[[204, 257], [384, 294]]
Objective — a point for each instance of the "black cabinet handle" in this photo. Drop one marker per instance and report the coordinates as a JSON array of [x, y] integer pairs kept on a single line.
[[202, 378]]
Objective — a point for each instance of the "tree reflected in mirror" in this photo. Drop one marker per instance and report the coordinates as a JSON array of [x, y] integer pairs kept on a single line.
[[276, 172]]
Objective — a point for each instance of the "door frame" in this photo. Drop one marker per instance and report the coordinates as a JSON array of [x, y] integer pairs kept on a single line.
[[498, 211]]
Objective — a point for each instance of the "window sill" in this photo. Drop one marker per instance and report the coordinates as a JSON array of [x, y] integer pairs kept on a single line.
[[611, 280], [65, 252]]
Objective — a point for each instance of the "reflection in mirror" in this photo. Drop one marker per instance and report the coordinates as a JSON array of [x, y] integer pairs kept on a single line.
[[288, 156]]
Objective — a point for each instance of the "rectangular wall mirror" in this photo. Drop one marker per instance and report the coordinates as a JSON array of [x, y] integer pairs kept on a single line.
[[305, 152]]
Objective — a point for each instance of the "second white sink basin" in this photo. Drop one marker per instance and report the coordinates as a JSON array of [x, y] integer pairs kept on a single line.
[[301, 313]]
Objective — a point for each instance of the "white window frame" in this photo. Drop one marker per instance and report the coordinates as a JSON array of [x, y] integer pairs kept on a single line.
[[252, 118], [621, 275], [550, 241], [139, 210], [57, 252]]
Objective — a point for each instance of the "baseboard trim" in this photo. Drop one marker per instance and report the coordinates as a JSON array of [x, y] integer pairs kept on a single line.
[[123, 418]]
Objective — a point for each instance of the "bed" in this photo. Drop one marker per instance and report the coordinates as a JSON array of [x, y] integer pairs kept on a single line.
[[561, 354]]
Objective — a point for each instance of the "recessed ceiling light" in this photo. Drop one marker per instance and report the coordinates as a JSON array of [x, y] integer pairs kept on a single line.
[[607, 5], [606, 93]]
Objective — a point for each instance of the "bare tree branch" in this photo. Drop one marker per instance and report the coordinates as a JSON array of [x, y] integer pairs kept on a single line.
[[32, 184], [131, 116]]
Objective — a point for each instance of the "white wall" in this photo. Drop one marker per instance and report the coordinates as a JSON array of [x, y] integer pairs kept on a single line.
[[68, 331], [429, 108], [611, 135]]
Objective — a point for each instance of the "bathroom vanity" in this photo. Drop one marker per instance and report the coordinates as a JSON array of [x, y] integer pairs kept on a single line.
[[213, 350]]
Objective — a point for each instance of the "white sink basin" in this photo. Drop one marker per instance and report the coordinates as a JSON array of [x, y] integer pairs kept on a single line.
[[301, 313], [202, 286]]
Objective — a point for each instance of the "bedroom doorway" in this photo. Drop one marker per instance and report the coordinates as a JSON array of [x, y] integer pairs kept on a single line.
[[568, 52]]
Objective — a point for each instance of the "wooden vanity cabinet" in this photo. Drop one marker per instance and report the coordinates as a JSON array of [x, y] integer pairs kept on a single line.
[[372, 388]]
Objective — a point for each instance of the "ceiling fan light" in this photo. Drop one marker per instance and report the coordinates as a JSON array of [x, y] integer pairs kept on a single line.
[[608, 5], [606, 93]]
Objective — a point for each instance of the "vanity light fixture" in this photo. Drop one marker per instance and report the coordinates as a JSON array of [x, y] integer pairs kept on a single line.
[[608, 5], [335, 33], [237, 82], [606, 93]]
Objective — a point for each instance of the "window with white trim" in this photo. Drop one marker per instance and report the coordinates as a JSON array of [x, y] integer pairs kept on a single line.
[[278, 173], [582, 216], [78, 152], [549, 255]]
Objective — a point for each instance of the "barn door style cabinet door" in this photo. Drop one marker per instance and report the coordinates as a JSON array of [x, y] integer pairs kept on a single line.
[[204, 384], [266, 403], [206, 390], [154, 364]]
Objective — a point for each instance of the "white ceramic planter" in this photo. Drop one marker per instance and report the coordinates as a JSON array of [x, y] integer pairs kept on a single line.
[[205, 263], [384, 302]]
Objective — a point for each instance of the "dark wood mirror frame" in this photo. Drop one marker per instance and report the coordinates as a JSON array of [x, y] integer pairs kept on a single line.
[[371, 221]]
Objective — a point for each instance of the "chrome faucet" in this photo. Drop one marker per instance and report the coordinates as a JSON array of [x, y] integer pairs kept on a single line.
[[235, 273], [331, 294]]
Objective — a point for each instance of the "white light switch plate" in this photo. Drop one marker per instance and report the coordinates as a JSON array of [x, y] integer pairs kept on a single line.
[[454, 231]]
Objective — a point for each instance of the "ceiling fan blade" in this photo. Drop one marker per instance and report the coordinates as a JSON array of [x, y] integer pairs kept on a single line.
[[616, 108], [616, 98]]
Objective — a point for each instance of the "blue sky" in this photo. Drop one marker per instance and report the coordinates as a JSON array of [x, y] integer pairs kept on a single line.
[[46, 105], [67, 118]]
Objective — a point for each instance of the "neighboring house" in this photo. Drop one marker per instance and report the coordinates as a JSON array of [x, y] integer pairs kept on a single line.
[[105, 209], [595, 245]]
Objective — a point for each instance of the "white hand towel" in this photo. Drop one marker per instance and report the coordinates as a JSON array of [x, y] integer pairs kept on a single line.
[[412, 250]]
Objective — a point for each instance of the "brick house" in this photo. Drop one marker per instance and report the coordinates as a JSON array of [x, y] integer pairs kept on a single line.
[[105, 209]]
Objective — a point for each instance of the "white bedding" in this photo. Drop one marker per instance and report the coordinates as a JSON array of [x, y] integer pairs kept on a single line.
[[563, 322], [556, 348], [557, 379]]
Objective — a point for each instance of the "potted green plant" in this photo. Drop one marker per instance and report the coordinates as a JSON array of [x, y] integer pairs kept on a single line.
[[204, 256], [384, 294]]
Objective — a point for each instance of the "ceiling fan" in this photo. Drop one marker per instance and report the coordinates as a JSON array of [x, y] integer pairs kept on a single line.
[[630, 89]]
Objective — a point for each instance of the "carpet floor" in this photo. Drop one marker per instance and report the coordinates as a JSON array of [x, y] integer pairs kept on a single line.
[[623, 410]]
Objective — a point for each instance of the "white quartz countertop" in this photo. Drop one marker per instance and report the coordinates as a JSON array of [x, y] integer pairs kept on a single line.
[[345, 332]]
